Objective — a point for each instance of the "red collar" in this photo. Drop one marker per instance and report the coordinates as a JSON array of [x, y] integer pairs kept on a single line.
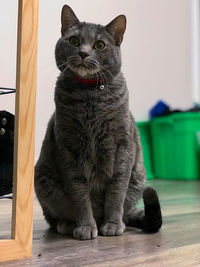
[[88, 81]]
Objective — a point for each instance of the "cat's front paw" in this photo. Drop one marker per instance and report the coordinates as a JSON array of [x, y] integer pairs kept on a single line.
[[111, 229], [85, 232]]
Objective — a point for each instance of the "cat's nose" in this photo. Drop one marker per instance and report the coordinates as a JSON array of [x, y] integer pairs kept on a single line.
[[83, 54]]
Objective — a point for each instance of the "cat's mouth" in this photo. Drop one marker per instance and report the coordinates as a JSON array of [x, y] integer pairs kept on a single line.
[[84, 69]]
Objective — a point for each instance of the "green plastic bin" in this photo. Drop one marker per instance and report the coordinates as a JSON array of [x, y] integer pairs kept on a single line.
[[145, 136], [176, 146]]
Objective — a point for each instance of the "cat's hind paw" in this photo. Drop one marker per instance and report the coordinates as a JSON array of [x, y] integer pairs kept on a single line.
[[65, 227]]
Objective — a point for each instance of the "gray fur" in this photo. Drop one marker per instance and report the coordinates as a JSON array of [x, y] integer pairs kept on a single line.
[[90, 172]]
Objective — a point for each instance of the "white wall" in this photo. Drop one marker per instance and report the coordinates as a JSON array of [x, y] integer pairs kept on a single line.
[[8, 38], [156, 51]]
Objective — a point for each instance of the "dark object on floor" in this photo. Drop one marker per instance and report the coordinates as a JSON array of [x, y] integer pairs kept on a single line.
[[6, 148], [194, 109]]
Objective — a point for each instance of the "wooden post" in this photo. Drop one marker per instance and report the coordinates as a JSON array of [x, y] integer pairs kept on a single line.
[[20, 245]]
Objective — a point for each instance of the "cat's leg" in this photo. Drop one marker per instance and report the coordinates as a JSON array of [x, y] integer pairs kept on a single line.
[[114, 201], [66, 199], [86, 227], [67, 211], [57, 209]]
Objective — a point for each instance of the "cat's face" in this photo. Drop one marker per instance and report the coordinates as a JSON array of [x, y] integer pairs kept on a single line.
[[89, 49]]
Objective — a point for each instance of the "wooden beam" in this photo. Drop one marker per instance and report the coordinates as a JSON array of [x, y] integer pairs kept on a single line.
[[10, 250], [22, 212]]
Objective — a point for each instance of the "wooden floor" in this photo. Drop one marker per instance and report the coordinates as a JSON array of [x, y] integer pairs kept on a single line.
[[177, 244]]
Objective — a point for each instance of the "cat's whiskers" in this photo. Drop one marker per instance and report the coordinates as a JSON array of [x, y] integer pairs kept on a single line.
[[97, 75], [102, 67], [68, 64], [94, 71], [107, 87], [96, 64], [100, 73], [91, 68], [62, 76], [69, 58], [68, 61], [103, 76], [107, 71], [95, 68], [62, 65]]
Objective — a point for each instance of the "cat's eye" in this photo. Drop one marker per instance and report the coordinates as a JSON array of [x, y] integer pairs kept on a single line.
[[99, 45], [74, 41]]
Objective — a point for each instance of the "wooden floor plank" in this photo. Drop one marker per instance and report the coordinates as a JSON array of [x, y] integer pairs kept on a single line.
[[182, 256], [175, 245]]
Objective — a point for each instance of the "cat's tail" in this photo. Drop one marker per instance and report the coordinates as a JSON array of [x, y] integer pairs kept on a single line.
[[149, 219]]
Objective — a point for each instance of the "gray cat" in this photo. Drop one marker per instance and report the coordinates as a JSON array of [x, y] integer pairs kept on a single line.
[[90, 172]]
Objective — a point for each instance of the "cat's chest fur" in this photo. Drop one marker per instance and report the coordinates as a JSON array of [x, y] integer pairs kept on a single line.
[[99, 144], [86, 127]]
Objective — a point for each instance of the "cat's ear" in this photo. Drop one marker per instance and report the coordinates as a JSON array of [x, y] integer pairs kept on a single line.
[[117, 28], [68, 18]]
